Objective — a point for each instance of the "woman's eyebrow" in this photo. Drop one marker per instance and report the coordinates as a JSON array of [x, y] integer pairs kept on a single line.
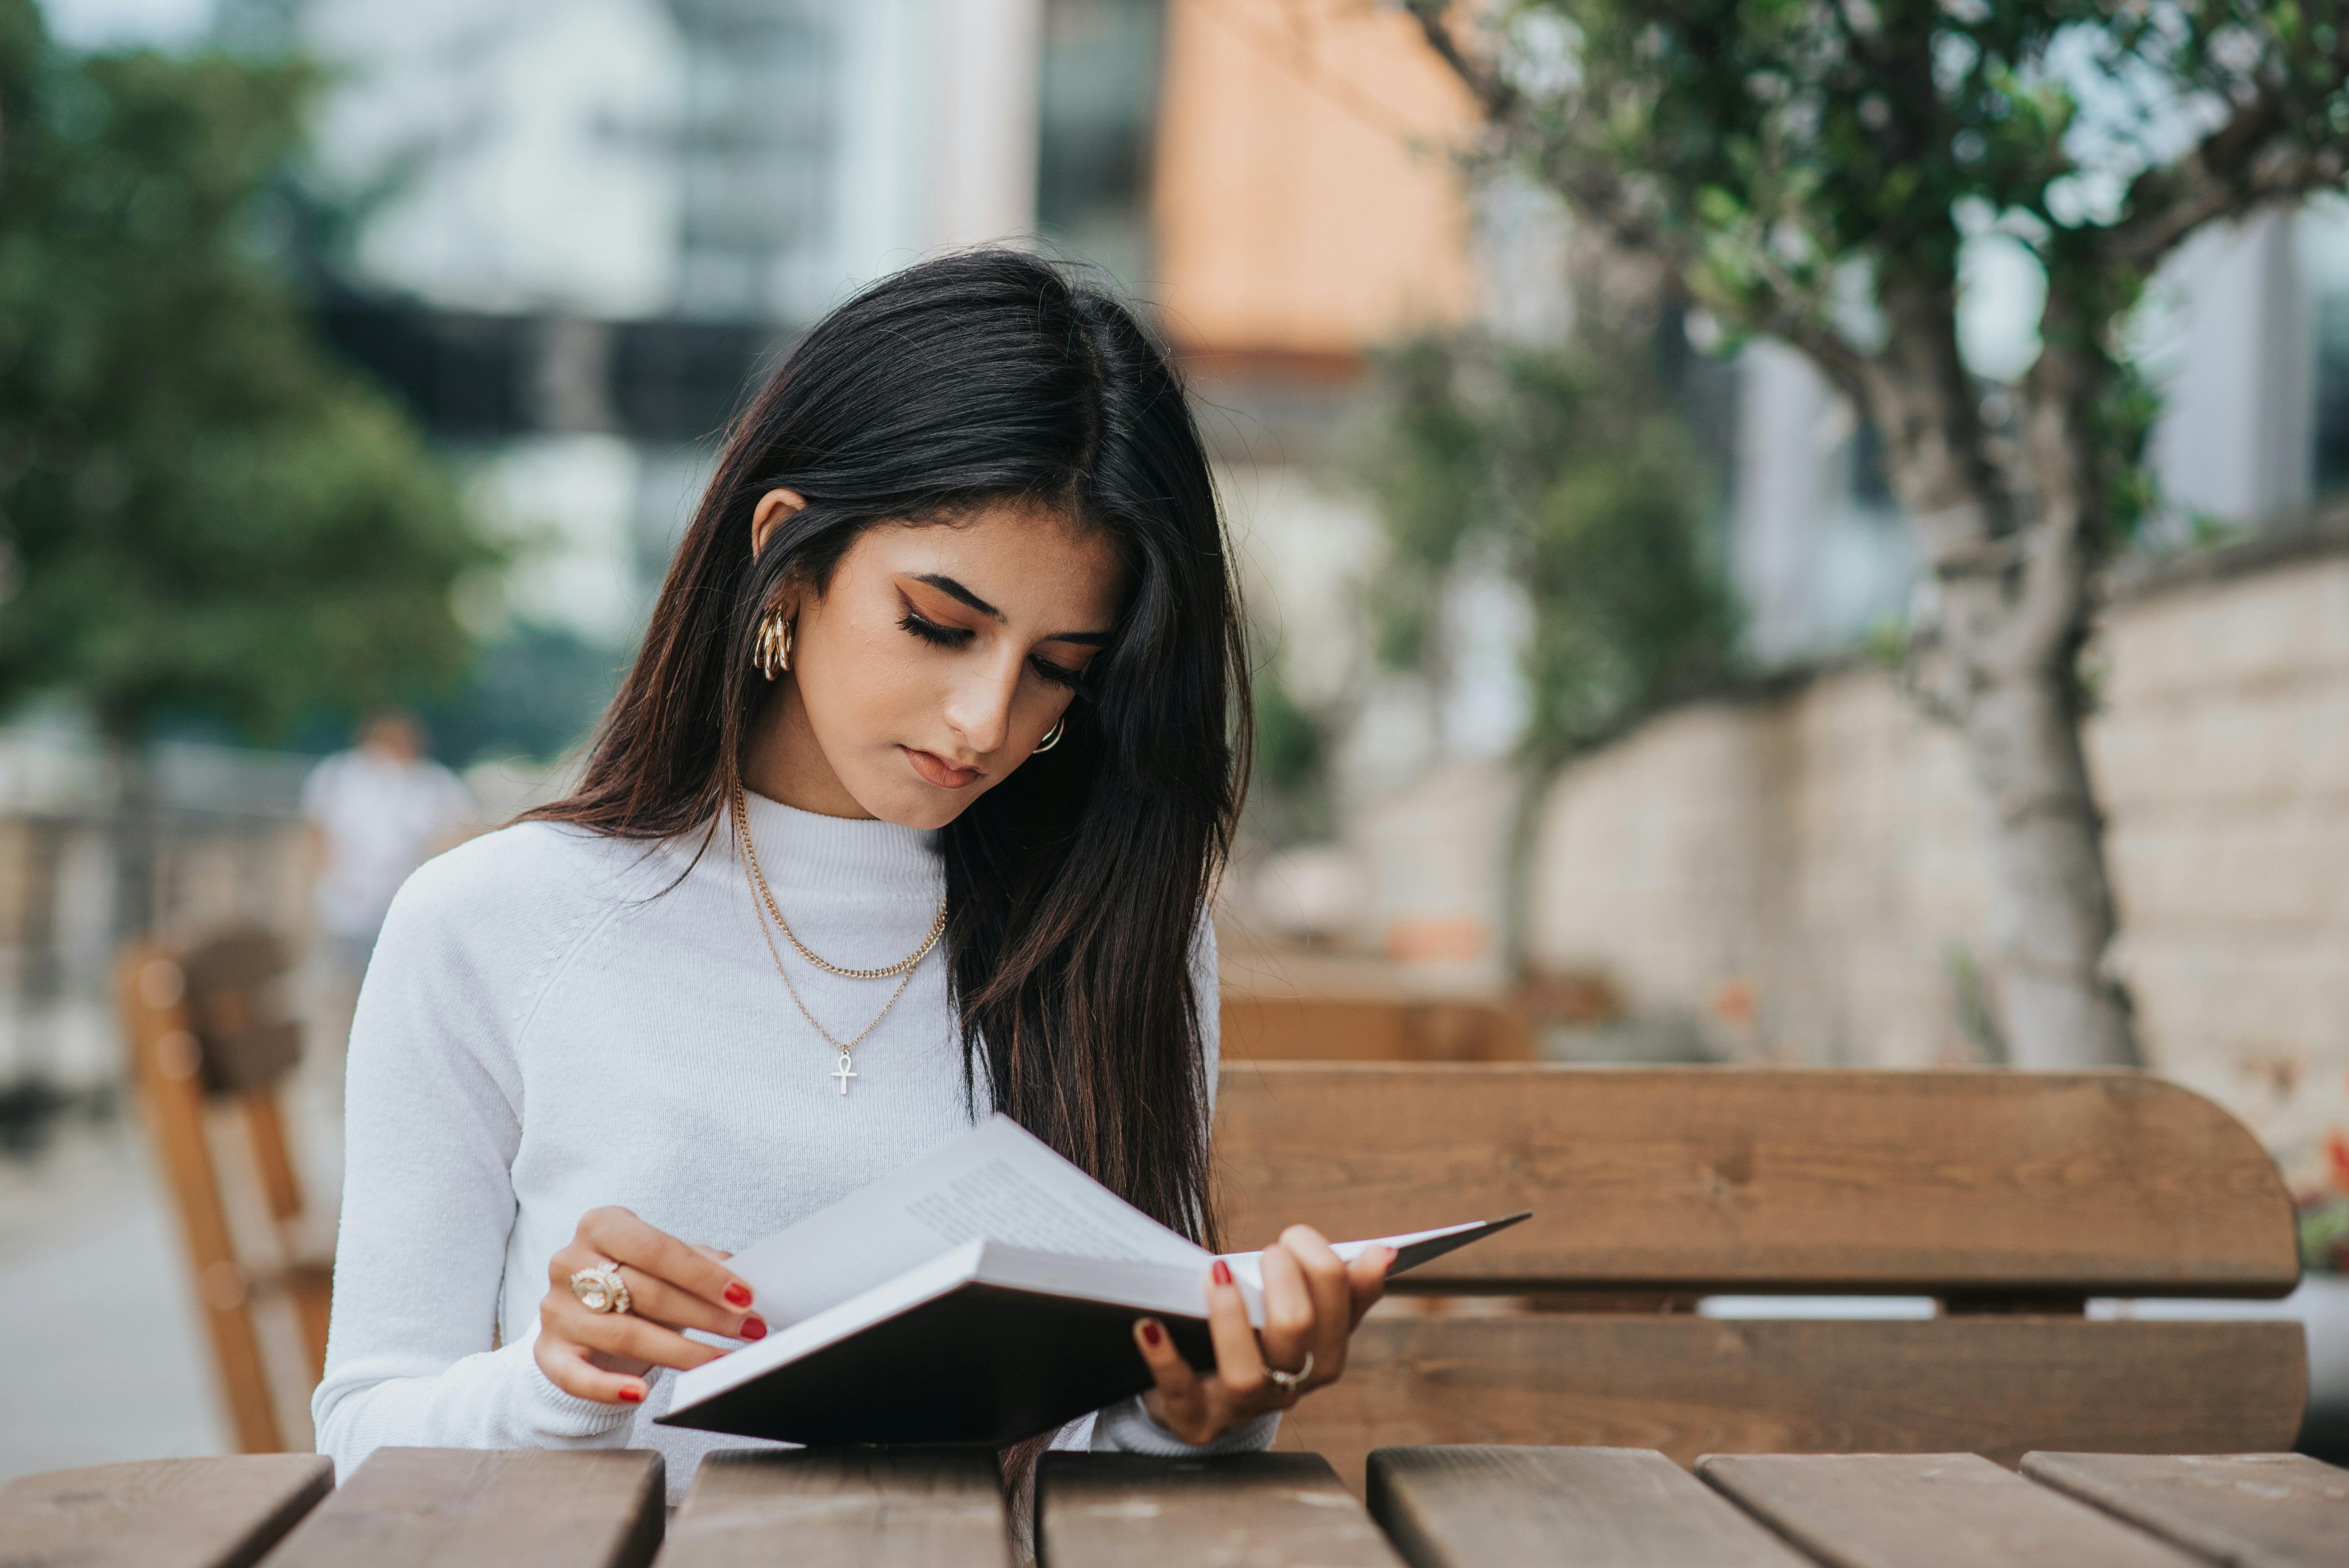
[[954, 590]]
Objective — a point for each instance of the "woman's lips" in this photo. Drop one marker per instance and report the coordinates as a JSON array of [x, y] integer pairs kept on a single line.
[[935, 769]]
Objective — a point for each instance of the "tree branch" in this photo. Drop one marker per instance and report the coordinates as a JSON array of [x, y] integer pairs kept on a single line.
[[1499, 99], [1845, 367], [2248, 163]]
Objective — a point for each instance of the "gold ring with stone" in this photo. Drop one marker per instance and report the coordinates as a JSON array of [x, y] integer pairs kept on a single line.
[[1289, 1382], [600, 1288]]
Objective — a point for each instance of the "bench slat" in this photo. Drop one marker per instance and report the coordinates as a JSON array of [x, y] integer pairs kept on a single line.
[[1689, 1386], [842, 1508], [159, 1513], [1932, 1183], [1251, 1510], [1929, 1510], [2255, 1510], [1490, 1507], [519, 1508]]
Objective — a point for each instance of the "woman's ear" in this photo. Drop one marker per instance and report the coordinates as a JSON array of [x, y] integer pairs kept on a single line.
[[772, 509]]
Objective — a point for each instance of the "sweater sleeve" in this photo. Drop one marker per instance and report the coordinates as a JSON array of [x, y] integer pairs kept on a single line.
[[432, 1127], [1127, 1427]]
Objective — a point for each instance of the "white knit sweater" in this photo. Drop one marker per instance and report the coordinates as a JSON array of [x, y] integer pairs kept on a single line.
[[554, 1021]]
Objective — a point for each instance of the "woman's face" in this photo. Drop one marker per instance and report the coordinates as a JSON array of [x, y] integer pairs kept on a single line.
[[933, 661]]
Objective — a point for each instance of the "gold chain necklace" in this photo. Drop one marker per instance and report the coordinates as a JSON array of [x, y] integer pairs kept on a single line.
[[903, 969], [758, 878]]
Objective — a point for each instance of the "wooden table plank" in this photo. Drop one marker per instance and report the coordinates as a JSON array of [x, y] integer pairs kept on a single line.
[[518, 1507], [1927, 1511], [1250, 1510], [2246, 1511], [159, 1513], [1496, 1507], [842, 1508], [1690, 1386]]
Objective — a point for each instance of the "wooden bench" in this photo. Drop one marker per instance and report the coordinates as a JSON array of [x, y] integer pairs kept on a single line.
[[2010, 1198], [1429, 1507]]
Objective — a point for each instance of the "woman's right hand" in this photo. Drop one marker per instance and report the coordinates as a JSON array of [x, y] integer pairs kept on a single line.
[[603, 1356]]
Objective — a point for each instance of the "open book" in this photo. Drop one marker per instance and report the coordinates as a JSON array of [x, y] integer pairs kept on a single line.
[[982, 1295]]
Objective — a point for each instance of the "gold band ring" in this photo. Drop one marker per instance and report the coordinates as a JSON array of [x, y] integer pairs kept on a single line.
[[600, 1288]]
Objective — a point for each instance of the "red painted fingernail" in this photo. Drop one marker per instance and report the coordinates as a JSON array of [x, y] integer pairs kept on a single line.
[[1223, 1272], [1150, 1333], [754, 1327], [738, 1295], [633, 1393]]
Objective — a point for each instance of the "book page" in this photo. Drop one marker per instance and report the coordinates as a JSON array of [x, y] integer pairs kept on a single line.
[[996, 1183]]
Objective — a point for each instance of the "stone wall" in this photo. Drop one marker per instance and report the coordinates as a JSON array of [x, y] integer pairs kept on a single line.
[[1798, 874]]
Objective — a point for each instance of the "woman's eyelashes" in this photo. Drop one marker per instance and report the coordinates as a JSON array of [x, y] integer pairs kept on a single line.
[[960, 637], [931, 632]]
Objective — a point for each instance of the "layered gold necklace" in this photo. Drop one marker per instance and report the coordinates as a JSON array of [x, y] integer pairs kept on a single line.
[[903, 969]]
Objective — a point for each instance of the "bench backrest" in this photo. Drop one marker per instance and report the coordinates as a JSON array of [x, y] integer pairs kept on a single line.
[[1729, 1180], [2011, 1197]]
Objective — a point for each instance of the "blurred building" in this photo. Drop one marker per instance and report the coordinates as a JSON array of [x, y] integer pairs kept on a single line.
[[572, 230]]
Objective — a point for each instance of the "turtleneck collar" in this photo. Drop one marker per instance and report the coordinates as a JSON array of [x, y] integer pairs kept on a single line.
[[801, 849]]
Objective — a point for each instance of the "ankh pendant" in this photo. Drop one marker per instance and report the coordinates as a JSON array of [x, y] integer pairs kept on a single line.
[[844, 1073]]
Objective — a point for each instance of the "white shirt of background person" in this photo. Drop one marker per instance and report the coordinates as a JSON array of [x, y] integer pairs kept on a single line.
[[376, 813]]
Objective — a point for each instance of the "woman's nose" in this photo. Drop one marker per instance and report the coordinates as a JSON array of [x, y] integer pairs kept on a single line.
[[979, 711]]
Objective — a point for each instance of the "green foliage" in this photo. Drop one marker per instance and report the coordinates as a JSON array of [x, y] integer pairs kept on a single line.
[[200, 510], [2324, 1234], [1811, 168], [1292, 760], [1572, 468], [1430, 466]]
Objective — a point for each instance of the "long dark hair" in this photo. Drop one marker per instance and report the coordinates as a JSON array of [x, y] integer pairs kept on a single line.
[[1074, 887]]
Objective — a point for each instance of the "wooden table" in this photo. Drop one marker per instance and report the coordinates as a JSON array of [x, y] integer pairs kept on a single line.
[[1429, 1507]]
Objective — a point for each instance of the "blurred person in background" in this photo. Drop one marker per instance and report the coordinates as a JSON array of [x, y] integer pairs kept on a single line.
[[947, 686], [373, 814], [377, 812]]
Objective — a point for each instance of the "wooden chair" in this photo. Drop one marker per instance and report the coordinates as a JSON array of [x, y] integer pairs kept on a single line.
[[212, 1039], [2011, 1198]]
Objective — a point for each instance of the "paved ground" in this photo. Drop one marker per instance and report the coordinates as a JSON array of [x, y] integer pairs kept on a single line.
[[105, 1363]]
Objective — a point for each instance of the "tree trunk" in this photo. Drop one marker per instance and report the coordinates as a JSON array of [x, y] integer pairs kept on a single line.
[[2052, 906], [2009, 614]]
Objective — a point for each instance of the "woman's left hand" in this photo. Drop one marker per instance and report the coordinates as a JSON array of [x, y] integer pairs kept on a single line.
[[1311, 1303]]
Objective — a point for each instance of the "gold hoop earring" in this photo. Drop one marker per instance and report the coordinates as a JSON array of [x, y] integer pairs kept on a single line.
[[1052, 736], [774, 655]]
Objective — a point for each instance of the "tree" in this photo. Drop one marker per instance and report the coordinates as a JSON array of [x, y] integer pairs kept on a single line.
[[1811, 170], [1570, 470], [200, 511]]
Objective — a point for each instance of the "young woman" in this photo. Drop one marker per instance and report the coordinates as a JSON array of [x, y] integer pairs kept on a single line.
[[907, 812]]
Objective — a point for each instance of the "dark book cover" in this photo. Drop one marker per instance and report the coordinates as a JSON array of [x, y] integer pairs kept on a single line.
[[982, 1364]]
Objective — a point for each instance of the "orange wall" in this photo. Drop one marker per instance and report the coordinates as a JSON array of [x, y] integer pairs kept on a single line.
[[1293, 212]]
